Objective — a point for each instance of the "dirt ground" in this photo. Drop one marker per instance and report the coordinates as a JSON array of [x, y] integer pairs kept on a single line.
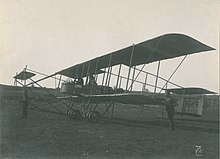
[[45, 135]]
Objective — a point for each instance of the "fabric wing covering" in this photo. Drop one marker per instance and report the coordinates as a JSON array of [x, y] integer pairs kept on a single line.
[[160, 48]]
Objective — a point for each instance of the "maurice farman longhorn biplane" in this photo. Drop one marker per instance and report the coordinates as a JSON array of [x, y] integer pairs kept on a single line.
[[93, 89]]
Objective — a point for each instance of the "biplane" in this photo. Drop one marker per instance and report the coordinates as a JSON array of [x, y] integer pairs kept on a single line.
[[92, 89]]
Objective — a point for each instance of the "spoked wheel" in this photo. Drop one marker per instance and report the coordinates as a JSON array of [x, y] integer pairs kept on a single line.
[[74, 114], [94, 116]]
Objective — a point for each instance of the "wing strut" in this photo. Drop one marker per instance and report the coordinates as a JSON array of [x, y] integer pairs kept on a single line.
[[109, 71], [173, 73], [118, 76], [130, 64], [158, 69], [152, 51]]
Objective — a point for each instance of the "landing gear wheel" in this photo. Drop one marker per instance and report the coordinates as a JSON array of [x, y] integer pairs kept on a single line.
[[94, 116], [74, 114]]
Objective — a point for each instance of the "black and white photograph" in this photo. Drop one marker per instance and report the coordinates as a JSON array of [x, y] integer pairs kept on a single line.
[[107, 79]]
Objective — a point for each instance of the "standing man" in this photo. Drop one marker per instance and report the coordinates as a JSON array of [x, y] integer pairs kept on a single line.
[[25, 104], [170, 104], [92, 80], [78, 86], [93, 85]]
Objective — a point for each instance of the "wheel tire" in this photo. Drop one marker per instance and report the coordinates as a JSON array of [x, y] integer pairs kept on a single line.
[[94, 116], [74, 114]]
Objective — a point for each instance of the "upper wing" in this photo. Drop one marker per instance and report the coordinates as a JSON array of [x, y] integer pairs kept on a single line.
[[163, 47]]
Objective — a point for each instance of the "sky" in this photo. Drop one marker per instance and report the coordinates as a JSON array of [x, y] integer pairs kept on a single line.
[[50, 35]]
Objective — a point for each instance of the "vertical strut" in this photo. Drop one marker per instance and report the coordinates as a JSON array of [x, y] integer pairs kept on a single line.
[[119, 72], [91, 92], [87, 73], [145, 82], [109, 68], [103, 77], [155, 88], [59, 81], [129, 71], [109, 78], [120, 82], [133, 78]]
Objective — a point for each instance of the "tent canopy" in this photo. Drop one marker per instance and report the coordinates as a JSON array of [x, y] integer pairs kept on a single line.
[[160, 48]]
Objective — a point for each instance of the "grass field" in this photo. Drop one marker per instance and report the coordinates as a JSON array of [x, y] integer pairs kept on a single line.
[[129, 135]]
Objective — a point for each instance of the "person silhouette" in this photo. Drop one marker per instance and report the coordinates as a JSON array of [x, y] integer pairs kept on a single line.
[[170, 105]]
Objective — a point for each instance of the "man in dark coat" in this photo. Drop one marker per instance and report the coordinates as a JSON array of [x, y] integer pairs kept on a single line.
[[170, 104]]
